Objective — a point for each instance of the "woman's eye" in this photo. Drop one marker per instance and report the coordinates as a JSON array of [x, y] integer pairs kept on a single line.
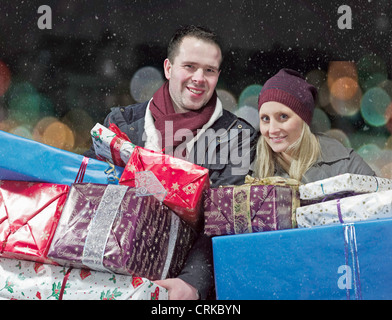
[[264, 118]]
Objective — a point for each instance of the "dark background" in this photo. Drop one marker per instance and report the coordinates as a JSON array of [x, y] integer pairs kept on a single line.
[[84, 65]]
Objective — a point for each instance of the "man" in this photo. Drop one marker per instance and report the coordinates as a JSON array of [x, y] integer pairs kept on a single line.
[[181, 116]]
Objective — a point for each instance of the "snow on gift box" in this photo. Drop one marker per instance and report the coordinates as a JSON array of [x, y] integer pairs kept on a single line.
[[110, 228]]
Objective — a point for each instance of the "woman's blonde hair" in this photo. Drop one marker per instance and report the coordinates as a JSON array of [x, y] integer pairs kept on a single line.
[[304, 152]]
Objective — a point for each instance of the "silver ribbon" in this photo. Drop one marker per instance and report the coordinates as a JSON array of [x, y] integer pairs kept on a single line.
[[174, 224], [350, 249], [101, 224]]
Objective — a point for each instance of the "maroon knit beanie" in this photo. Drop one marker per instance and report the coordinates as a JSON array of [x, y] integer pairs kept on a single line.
[[290, 88]]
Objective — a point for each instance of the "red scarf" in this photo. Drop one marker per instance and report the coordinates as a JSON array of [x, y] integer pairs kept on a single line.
[[162, 110]]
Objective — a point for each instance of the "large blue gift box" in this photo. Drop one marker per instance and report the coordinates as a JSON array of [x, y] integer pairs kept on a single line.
[[347, 261], [27, 160]]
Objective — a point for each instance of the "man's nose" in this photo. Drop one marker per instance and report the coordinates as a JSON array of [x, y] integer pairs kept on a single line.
[[198, 76]]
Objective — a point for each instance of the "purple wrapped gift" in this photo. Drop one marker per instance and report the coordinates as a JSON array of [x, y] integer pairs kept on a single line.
[[249, 208], [110, 228]]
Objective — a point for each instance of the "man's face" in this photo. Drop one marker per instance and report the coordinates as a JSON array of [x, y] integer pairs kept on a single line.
[[193, 74]]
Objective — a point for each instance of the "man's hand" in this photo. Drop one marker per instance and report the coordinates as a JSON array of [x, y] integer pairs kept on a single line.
[[178, 289]]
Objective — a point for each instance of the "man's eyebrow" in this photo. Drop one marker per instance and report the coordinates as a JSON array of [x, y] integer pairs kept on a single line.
[[195, 63]]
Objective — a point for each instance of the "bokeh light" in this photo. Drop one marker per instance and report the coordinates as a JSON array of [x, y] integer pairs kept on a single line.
[[324, 96], [388, 143], [81, 123], [145, 82], [59, 135], [250, 96], [5, 78], [339, 135], [316, 77], [386, 171], [228, 100], [26, 105], [22, 131], [346, 107], [250, 114], [369, 152], [25, 108], [344, 88], [341, 69], [374, 105], [386, 85], [372, 70], [388, 118], [320, 121], [40, 127]]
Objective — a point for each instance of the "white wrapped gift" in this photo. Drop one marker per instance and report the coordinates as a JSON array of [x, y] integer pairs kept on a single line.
[[27, 280], [369, 206], [344, 183], [109, 146]]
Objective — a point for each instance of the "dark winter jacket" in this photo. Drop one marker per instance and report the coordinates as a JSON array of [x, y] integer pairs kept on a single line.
[[226, 150]]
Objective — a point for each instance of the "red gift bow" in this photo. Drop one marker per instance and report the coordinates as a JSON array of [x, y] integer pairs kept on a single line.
[[118, 132]]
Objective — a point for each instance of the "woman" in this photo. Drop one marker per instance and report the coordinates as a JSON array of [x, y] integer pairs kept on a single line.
[[286, 146]]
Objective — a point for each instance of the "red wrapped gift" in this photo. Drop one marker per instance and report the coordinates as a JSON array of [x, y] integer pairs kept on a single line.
[[29, 214], [176, 182]]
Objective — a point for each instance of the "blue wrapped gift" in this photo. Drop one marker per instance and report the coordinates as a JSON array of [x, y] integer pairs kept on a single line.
[[348, 261], [27, 160]]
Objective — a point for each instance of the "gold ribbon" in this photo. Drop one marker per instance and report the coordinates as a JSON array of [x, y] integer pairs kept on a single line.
[[241, 206]]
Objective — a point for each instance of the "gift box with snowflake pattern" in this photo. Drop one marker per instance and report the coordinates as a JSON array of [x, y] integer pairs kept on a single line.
[[250, 208], [342, 185]]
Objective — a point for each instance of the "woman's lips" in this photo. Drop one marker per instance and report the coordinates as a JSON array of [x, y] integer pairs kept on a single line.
[[277, 139]]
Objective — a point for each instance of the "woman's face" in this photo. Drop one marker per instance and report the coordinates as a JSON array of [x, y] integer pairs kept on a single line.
[[279, 125]]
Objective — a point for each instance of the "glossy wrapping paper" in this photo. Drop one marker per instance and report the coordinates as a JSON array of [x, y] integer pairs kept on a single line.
[[26, 280], [109, 228], [29, 214], [259, 205], [27, 160], [111, 144], [337, 262], [176, 182]]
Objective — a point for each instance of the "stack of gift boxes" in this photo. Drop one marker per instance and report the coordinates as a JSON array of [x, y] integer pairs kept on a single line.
[[72, 227], [338, 246], [79, 228]]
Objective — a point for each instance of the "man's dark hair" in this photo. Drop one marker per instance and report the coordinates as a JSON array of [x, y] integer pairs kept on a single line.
[[198, 32]]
